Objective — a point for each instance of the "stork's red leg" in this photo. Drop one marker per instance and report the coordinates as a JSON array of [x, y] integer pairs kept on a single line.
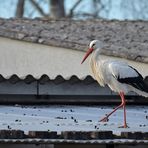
[[124, 109], [121, 105]]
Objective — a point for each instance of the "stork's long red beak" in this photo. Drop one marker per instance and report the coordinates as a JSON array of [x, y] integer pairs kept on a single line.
[[87, 54]]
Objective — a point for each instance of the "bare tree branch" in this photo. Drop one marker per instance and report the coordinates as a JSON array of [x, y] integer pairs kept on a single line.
[[73, 8], [36, 5], [20, 9]]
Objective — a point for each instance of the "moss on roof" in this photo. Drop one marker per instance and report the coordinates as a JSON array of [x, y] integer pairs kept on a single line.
[[127, 39]]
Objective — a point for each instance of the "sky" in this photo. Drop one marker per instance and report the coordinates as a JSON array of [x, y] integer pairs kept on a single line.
[[117, 9]]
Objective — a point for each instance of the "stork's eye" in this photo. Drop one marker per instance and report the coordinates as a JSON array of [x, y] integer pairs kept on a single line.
[[93, 45]]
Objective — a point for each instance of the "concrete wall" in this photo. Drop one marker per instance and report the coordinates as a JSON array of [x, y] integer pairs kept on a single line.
[[23, 58]]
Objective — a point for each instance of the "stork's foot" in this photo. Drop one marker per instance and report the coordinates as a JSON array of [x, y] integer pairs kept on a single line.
[[124, 126], [105, 119]]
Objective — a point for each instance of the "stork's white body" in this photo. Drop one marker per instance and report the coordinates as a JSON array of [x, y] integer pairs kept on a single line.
[[107, 71], [119, 76]]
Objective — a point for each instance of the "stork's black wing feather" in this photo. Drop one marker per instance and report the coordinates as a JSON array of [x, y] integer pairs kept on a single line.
[[137, 82]]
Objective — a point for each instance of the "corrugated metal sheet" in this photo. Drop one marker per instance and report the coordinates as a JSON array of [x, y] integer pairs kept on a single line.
[[45, 78]]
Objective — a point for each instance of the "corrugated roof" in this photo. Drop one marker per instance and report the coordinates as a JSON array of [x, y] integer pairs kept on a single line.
[[126, 39], [45, 78]]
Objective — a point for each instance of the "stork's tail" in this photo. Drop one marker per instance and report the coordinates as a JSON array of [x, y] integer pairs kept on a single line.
[[142, 88]]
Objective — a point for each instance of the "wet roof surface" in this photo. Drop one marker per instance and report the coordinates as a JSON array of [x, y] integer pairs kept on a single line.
[[71, 118]]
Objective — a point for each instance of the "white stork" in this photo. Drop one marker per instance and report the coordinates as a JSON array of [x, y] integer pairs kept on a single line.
[[119, 76]]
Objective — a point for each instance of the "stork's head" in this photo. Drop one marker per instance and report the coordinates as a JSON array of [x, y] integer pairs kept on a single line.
[[95, 44]]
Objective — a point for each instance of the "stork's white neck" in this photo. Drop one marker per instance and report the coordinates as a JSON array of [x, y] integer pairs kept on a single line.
[[95, 62], [95, 57], [95, 54]]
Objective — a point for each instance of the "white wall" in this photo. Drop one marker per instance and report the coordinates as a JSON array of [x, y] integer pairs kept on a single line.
[[23, 58]]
